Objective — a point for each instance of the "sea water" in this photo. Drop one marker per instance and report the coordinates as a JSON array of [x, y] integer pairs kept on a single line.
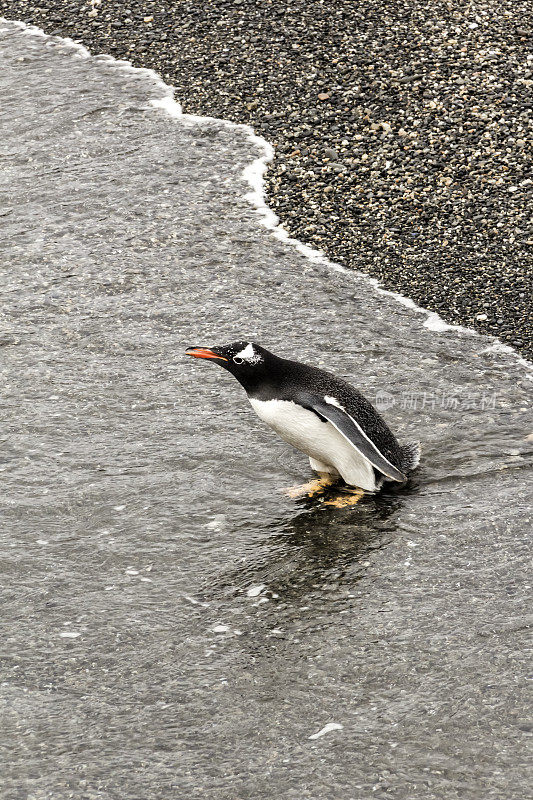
[[172, 625]]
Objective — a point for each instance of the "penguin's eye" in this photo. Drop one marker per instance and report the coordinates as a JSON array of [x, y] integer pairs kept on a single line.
[[237, 360]]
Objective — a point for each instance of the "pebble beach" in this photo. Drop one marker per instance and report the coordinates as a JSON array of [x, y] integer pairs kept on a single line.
[[402, 131]]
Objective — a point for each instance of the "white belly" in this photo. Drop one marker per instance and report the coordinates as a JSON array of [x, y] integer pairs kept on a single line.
[[321, 441]]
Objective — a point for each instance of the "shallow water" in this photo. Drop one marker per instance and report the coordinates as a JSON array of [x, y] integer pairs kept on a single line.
[[173, 626]]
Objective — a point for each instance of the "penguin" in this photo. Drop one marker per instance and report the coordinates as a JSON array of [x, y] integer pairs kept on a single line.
[[319, 414]]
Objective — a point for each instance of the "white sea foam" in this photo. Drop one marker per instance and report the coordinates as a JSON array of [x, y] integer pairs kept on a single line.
[[217, 523], [194, 601], [253, 175], [255, 591], [221, 628], [331, 726]]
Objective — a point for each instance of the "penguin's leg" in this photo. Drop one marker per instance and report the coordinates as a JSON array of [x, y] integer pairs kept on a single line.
[[311, 488], [346, 499], [321, 467]]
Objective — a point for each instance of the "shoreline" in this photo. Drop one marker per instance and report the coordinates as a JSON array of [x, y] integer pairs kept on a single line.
[[436, 210]]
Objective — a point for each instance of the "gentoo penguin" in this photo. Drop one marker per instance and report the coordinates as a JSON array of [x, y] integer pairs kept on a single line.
[[319, 414]]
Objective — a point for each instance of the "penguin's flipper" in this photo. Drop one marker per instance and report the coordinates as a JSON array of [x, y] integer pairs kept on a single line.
[[351, 431]]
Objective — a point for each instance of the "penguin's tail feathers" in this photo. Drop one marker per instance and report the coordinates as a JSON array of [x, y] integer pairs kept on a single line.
[[410, 456]]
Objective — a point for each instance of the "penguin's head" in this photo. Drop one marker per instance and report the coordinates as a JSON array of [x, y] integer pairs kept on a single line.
[[247, 361]]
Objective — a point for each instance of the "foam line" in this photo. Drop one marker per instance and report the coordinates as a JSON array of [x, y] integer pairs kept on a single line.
[[253, 176]]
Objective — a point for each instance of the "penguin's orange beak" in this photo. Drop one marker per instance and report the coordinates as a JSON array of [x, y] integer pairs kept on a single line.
[[203, 352]]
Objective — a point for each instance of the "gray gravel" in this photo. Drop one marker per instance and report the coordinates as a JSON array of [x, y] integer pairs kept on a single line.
[[403, 132]]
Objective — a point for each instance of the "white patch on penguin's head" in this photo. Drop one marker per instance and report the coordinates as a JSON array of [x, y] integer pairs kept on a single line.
[[249, 354]]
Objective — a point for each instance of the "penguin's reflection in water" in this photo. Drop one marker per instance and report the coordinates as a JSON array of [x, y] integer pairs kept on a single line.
[[318, 543]]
